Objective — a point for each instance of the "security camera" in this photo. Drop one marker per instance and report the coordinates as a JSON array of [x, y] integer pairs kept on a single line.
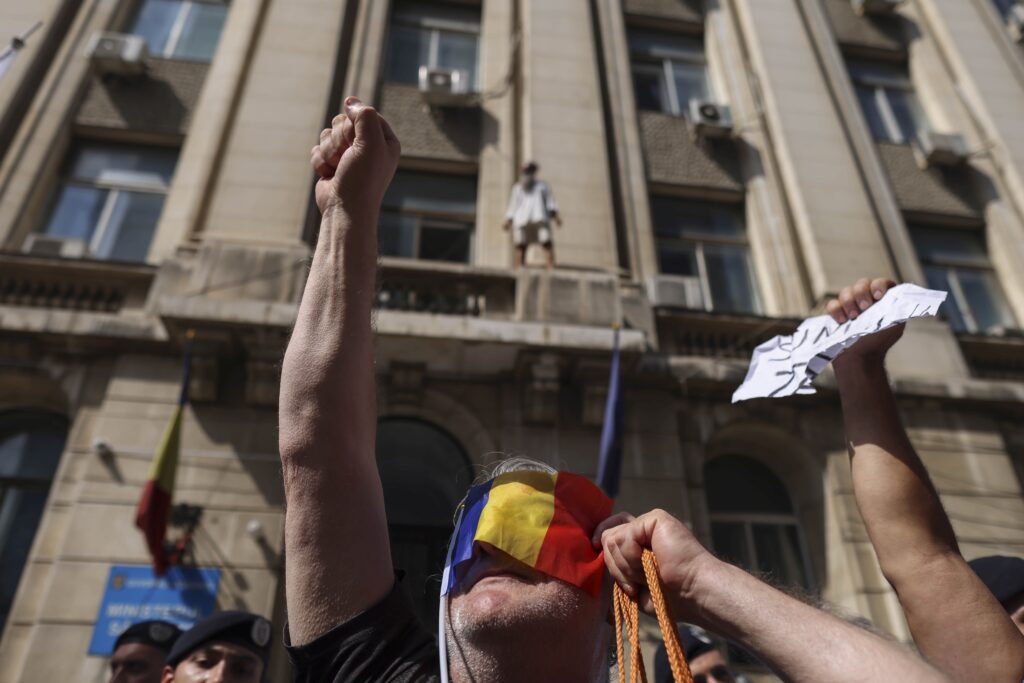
[[102, 448]]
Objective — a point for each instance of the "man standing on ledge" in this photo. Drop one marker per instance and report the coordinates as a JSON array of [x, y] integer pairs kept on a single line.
[[530, 210]]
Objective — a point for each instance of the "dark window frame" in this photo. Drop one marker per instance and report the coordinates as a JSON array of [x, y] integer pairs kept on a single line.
[[174, 37], [436, 219], [114, 189], [435, 27], [701, 241], [952, 268], [691, 54], [883, 81]]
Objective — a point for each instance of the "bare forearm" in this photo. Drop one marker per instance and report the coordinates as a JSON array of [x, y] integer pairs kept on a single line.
[[799, 642], [914, 540], [901, 509], [327, 431], [328, 392]]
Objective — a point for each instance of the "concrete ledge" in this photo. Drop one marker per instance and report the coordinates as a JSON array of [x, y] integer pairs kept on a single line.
[[397, 323]]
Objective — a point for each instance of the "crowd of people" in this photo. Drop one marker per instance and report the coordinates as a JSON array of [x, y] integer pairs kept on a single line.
[[507, 620]]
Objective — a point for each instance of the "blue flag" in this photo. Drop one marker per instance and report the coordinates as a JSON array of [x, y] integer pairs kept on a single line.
[[609, 468]]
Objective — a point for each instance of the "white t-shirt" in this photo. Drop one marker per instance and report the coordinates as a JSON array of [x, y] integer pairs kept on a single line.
[[534, 205]]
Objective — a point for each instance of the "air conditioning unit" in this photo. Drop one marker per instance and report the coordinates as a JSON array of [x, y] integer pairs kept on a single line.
[[118, 54], [863, 7], [444, 87], [939, 149], [710, 119], [675, 291], [58, 247], [1015, 22], [1005, 332]]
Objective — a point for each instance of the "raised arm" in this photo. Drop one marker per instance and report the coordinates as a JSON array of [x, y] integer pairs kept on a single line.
[[336, 537], [950, 612], [800, 643]]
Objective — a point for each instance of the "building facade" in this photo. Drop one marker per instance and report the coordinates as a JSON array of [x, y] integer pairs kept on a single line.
[[722, 169]]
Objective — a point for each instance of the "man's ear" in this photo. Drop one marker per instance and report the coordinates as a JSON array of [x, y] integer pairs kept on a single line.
[[168, 675]]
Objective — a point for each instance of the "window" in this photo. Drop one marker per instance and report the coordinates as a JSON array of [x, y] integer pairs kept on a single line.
[[424, 473], [439, 35], [706, 242], [429, 216], [752, 520], [111, 198], [30, 449], [668, 71], [887, 98], [181, 29], [956, 261]]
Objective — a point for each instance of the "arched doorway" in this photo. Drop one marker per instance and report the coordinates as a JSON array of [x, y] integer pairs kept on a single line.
[[424, 473], [753, 524], [31, 444]]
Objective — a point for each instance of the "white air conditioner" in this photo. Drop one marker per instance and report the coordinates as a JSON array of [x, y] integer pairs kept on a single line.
[[939, 149], [710, 119], [1015, 22], [863, 7], [1005, 332], [675, 291], [119, 54], [46, 245], [444, 87]]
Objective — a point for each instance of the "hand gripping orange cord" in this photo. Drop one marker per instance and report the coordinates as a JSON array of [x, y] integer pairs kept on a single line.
[[627, 613]]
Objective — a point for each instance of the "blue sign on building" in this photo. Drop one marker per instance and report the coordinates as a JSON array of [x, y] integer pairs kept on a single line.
[[183, 596]]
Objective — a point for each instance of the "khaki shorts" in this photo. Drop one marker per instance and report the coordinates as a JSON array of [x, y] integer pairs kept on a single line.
[[532, 232]]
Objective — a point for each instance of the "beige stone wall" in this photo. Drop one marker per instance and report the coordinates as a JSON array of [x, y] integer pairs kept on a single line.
[[228, 465], [831, 211], [563, 130]]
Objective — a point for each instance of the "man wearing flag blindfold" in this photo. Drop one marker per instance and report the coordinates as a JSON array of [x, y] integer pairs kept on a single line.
[[526, 583]]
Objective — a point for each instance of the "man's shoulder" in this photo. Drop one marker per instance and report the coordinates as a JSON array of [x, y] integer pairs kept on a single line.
[[384, 644]]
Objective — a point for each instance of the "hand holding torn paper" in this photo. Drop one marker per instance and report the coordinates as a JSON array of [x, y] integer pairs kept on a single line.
[[787, 365]]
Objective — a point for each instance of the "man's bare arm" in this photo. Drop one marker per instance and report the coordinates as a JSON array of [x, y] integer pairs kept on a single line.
[[799, 643], [950, 612], [336, 539]]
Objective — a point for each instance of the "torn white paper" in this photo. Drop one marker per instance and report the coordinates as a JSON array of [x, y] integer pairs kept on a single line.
[[787, 365]]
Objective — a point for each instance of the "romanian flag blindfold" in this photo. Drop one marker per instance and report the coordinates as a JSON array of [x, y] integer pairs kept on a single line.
[[543, 520]]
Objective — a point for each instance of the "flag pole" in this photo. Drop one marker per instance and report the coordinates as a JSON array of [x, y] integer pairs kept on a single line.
[[609, 467]]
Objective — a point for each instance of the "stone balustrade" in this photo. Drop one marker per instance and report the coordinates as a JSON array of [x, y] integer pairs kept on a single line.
[[72, 284]]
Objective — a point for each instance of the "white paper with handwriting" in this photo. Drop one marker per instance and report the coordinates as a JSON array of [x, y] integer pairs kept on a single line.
[[787, 365]]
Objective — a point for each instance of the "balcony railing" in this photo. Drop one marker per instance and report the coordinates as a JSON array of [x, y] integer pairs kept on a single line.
[[717, 335], [445, 288], [994, 357], [72, 284]]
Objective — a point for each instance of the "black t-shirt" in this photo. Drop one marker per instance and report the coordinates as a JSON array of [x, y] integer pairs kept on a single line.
[[384, 644]]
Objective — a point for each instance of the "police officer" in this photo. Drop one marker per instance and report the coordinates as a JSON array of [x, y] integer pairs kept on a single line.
[[226, 647], [140, 651]]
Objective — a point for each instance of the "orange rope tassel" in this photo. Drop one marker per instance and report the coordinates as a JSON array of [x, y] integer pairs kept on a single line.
[[627, 613]]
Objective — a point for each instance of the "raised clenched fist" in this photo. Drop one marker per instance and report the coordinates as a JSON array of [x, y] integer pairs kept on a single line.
[[355, 159]]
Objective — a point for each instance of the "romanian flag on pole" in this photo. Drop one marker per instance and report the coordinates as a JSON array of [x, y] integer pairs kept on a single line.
[[543, 520], [154, 509]]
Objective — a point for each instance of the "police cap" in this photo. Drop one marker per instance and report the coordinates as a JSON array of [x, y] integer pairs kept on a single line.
[[244, 629]]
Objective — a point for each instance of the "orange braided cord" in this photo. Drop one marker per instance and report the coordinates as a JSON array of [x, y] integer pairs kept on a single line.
[[676, 657], [617, 598], [627, 613]]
